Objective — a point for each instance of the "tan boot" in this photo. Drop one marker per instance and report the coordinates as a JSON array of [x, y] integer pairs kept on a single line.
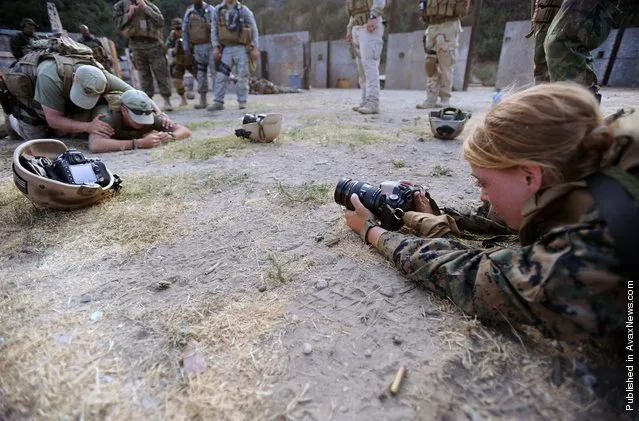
[[183, 101], [357, 107], [167, 104], [202, 103], [431, 102], [369, 109]]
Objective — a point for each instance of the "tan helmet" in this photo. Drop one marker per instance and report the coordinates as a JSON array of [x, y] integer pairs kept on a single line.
[[263, 128], [448, 123], [31, 178]]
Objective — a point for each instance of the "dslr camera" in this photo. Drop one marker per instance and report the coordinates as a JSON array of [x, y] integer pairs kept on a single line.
[[388, 202], [72, 167]]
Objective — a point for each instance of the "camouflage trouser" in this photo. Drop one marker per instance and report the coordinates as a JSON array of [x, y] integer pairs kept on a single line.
[[368, 50], [540, 67], [233, 56], [177, 70], [202, 58], [442, 42], [150, 61], [580, 27]]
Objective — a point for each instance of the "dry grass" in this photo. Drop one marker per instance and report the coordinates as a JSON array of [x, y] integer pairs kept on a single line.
[[325, 134], [200, 148], [316, 194], [208, 124]]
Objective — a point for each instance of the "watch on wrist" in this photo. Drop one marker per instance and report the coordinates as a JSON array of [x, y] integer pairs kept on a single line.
[[368, 225]]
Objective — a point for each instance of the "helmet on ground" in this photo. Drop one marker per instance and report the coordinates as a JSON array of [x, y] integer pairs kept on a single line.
[[36, 173], [448, 123], [176, 23], [262, 128]]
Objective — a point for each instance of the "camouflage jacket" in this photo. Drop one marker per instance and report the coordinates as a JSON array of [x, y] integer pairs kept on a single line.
[[566, 279], [99, 52]]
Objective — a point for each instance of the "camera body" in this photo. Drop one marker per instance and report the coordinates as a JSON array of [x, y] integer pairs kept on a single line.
[[72, 167], [388, 202]]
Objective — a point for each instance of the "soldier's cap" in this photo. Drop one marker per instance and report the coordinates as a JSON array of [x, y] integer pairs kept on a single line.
[[28, 21], [140, 106], [89, 83], [176, 23]]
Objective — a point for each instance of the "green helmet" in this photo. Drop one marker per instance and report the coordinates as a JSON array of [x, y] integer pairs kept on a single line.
[[448, 123]]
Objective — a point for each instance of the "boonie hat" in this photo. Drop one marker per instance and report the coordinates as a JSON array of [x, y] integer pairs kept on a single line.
[[89, 83], [28, 21], [140, 106]]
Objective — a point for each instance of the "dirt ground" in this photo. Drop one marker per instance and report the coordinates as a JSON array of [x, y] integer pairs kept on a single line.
[[221, 283]]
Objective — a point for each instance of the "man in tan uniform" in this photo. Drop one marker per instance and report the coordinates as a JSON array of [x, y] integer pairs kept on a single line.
[[441, 41], [365, 31]]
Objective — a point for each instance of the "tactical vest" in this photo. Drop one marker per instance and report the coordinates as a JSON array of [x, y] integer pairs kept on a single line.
[[21, 79], [545, 11], [199, 27], [359, 10], [440, 11], [140, 26], [242, 36]]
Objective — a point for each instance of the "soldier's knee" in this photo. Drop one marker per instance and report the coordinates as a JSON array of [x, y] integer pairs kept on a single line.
[[431, 65]]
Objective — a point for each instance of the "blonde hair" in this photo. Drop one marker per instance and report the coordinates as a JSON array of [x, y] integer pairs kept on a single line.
[[557, 126]]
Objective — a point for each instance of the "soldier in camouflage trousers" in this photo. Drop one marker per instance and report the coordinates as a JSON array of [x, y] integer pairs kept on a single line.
[[179, 62], [565, 34], [570, 276]]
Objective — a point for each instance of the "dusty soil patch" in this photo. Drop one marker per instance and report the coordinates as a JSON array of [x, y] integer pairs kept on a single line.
[[222, 284]]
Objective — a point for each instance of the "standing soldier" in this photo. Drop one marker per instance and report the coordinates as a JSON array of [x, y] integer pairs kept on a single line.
[[99, 53], [196, 31], [20, 40], [365, 30], [141, 22], [565, 34], [441, 42], [234, 38], [179, 61]]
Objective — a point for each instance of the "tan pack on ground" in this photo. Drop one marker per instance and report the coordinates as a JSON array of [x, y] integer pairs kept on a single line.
[[264, 130], [48, 193]]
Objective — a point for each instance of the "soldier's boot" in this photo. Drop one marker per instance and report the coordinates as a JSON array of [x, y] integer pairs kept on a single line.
[[242, 105], [13, 135], [190, 95], [167, 104], [183, 101], [202, 103], [369, 108], [445, 102], [431, 102], [217, 106], [357, 107]]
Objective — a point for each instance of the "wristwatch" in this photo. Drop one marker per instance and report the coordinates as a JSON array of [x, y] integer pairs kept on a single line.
[[368, 225]]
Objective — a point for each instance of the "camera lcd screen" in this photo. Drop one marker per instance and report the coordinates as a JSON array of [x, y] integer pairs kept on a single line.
[[83, 174]]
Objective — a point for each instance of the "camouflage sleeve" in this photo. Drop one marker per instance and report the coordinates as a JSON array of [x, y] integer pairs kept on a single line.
[[154, 14], [215, 41], [566, 284], [120, 16], [250, 19]]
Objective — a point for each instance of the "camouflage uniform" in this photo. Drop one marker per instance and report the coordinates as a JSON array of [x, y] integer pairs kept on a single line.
[[19, 43], [566, 279], [99, 53], [148, 51], [264, 87], [200, 46], [179, 63], [563, 42]]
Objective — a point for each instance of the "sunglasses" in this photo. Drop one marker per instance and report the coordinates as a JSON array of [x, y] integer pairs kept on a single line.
[[140, 112]]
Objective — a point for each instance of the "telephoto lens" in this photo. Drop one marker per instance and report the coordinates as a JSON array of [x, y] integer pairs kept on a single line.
[[368, 194]]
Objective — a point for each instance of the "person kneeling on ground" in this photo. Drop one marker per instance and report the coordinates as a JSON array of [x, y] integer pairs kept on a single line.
[[537, 159], [136, 124]]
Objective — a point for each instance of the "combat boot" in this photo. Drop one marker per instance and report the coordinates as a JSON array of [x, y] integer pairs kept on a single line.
[[190, 95], [431, 102], [445, 102], [357, 107], [202, 103], [167, 104], [217, 106], [369, 108], [183, 101], [242, 105]]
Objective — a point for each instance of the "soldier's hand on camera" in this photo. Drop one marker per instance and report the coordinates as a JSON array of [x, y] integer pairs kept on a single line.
[[421, 203], [356, 219], [371, 25], [99, 127], [150, 141], [217, 53]]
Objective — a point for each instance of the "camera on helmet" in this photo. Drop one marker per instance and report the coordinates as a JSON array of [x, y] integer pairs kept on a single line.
[[388, 202], [72, 167]]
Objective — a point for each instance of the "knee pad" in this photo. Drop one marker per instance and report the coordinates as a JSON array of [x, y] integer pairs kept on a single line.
[[430, 66]]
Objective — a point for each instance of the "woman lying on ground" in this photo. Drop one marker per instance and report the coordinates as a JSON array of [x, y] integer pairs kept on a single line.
[[531, 158]]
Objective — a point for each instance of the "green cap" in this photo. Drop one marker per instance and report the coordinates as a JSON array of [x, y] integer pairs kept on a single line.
[[28, 21], [140, 105], [89, 83]]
